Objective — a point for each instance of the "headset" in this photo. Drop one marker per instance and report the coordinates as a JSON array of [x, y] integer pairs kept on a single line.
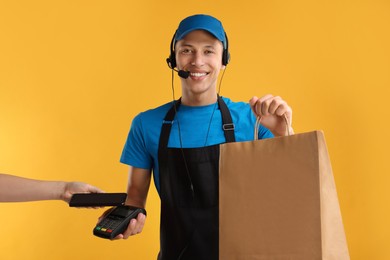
[[171, 61]]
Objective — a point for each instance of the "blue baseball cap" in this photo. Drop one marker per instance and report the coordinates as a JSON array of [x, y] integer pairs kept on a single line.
[[201, 22]]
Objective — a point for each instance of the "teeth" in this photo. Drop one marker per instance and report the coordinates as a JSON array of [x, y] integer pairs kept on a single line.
[[198, 74]]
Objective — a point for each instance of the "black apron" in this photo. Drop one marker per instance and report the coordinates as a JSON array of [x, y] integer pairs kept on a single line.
[[189, 227]]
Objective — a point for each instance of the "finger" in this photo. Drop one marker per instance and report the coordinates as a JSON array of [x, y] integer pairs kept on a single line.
[[92, 207], [120, 236], [253, 100], [277, 106], [252, 103], [130, 229], [265, 97], [273, 104], [281, 110], [140, 223], [263, 104], [93, 189], [288, 115], [257, 103], [100, 218], [284, 111]]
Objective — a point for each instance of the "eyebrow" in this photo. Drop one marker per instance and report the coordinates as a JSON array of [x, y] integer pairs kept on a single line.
[[190, 45]]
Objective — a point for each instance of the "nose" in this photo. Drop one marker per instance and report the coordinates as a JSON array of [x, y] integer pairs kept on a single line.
[[197, 59]]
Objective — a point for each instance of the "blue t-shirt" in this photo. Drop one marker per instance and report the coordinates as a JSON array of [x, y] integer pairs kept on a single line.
[[199, 126]]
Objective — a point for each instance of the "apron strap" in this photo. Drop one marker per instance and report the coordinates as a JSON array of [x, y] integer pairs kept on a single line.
[[167, 124], [227, 122], [228, 126]]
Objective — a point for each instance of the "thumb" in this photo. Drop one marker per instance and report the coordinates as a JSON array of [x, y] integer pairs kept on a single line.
[[93, 189]]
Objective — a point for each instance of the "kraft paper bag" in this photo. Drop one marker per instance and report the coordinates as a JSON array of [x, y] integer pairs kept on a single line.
[[278, 200]]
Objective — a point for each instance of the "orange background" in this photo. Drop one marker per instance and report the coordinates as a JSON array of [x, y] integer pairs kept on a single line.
[[73, 74]]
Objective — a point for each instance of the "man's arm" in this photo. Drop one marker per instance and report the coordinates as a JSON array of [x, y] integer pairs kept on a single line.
[[138, 187], [137, 192], [17, 189]]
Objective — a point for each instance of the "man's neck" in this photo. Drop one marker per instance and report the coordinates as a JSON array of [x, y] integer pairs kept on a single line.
[[203, 99]]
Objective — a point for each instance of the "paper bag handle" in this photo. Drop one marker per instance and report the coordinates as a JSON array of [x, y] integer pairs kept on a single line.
[[257, 125]]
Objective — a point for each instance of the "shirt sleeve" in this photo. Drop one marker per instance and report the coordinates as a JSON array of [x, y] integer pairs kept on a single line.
[[265, 133], [135, 152]]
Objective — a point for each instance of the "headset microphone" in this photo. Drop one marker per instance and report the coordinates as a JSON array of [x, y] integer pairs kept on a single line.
[[183, 74]]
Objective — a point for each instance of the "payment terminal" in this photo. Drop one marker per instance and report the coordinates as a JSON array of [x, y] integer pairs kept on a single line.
[[116, 221]]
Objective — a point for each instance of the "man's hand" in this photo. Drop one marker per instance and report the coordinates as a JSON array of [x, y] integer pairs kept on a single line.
[[273, 111], [135, 226]]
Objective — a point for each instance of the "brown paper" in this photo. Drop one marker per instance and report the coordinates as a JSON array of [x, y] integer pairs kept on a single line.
[[278, 200]]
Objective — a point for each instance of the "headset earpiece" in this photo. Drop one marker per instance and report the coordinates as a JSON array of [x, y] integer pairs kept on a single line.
[[226, 54], [171, 64], [171, 60]]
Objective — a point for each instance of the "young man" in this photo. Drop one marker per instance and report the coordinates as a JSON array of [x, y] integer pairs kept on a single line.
[[18, 189], [179, 142]]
